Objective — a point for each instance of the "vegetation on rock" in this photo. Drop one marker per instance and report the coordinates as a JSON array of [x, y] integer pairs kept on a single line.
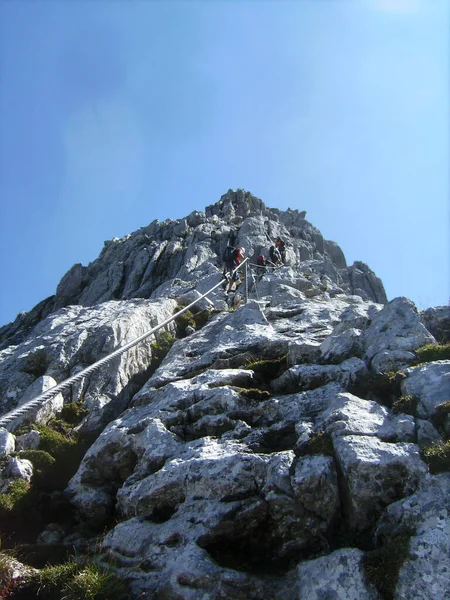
[[10, 501], [162, 345], [254, 394], [382, 565], [432, 352], [405, 404], [384, 388], [36, 363], [318, 443], [75, 579], [26, 507], [268, 368], [437, 456]]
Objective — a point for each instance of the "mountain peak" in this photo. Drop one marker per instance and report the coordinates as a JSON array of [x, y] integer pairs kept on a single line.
[[143, 263]]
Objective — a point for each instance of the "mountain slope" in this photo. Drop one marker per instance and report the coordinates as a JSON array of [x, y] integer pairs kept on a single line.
[[277, 451]]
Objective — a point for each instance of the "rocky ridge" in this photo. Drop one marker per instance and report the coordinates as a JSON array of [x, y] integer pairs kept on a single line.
[[270, 454]]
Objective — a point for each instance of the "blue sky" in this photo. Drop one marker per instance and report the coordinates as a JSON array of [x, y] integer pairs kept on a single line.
[[113, 114]]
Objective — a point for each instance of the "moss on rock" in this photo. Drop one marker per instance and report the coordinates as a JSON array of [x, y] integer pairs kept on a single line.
[[437, 457], [382, 565]]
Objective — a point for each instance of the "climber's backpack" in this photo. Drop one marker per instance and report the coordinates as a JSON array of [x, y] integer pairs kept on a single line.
[[275, 254], [228, 255], [238, 253]]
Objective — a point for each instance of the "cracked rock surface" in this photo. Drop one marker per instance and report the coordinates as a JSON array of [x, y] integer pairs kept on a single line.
[[265, 455]]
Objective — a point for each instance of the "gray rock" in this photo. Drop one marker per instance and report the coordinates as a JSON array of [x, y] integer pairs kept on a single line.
[[336, 254], [430, 384], [305, 377], [437, 321], [28, 441], [349, 415], [54, 533], [48, 409], [363, 282], [16, 572], [376, 474], [396, 329], [73, 338], [315, 485], [303, 352], [425, 573], [337, 348], [426, 433], [340, 575], [7, 442], [207, 463], [19, 468], [391, 360]]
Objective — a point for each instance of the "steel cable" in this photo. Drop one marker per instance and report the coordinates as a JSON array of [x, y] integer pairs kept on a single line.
[[65, 385]]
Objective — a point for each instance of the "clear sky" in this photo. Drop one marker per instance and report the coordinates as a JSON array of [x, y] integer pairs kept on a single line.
[[113, 114]]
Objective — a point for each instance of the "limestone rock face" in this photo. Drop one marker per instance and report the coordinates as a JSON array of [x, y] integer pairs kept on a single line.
[[7, 442], [248, 459], [430, 384], [437, 320], [137, 265], [338, 575], [394, 333], [427, 513], [71, 339], [17, 468]]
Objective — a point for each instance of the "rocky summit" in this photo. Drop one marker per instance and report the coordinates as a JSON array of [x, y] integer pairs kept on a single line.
[[289, 440]]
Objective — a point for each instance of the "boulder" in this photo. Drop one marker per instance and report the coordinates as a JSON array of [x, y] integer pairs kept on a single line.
[[424, 516], [28, 441], [306, 377], [337, 348], [430, 384], [7, 442], [19, 468], [395, 331], [437, 321], [43, 413], [376, 474], [339, 575]]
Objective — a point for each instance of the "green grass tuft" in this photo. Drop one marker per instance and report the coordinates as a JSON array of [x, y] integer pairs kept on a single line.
[[432, 352], [383, 564], [52, 580], [162, 345], [53, 441], [187, 318], [43, 467], [93, 583], [254, 394], [268, 368], [437, 457], [318, 443], [74, 580], [13, 497], [74, 412], [406, 405]]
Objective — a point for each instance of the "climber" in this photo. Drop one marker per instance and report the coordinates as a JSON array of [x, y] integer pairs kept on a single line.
[[280, 245], [232, 238], [275, 256], [232, 257], [261, 268]]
